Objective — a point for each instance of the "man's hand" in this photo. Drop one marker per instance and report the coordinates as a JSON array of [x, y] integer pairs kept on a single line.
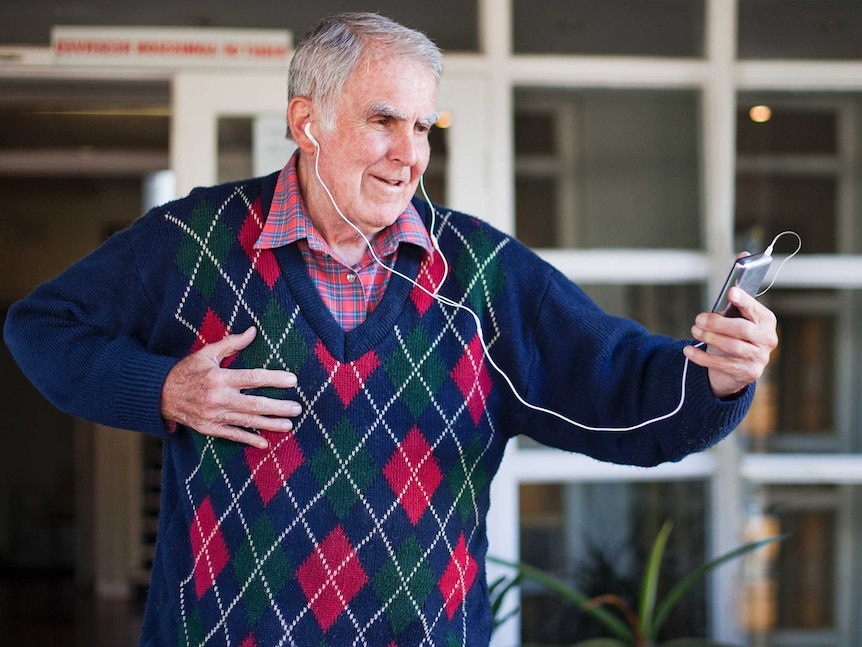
[[200, 394], [738, 348]]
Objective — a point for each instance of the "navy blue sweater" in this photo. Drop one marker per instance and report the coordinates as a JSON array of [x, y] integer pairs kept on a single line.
[[366, 524]]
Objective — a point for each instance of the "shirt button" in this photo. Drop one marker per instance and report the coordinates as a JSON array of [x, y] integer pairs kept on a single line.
[[351, 277]]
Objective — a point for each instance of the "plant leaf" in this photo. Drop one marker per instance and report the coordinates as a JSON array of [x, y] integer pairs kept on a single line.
[[675, 594], [561, 588], [601, 642], [590, 642], [497, 593], [694, 642], [649, 586], [498, 596]]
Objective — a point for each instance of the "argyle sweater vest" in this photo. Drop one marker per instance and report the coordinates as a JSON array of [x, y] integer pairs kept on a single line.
[[365, 525]]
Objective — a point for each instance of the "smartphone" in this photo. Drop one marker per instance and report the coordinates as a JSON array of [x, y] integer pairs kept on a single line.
[[747, 273]]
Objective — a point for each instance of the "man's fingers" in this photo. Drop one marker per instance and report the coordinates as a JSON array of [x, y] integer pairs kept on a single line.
[[260, 407], [238, 435], [738, 348], [217, 401], [257, 413], [745, 303], [243, 379], [230, 345]]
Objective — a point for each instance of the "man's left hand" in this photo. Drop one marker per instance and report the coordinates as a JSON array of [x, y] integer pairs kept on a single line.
[[737, 348]]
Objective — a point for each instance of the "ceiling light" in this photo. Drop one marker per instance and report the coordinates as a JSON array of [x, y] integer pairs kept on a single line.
[[760, 114]]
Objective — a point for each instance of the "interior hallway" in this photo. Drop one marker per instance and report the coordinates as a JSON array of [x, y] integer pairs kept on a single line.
[[46, 610]]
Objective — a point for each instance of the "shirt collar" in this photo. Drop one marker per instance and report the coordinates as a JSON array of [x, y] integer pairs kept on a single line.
[[288, 221]]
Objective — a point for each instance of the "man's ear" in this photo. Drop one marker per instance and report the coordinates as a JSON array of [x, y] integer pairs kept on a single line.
[[300, 113]]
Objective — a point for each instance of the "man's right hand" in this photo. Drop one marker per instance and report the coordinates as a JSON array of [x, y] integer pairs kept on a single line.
[[200, 394]]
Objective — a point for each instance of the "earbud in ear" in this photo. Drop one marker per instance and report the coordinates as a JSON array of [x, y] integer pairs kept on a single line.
[[309, 135]]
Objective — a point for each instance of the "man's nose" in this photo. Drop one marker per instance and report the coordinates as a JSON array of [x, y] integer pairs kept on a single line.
[[404, 148]]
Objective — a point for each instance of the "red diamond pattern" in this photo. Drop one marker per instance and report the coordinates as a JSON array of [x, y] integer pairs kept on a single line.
[[208, 547], [212, 329], [430, 275], [471, 376], [347, 378], [331, 577], [413, 474], [458, 578], [271, 468], [263, 259], [249, 642]]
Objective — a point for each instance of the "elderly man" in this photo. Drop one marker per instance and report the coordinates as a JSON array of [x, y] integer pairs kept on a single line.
[[336, 369]]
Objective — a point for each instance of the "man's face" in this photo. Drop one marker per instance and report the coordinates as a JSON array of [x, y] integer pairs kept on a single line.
[[374, 156]]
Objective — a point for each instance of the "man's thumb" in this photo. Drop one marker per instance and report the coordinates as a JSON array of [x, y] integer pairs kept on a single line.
[[223, 350]]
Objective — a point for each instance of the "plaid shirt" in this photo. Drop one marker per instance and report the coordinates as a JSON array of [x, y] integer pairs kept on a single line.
[[350, 293]]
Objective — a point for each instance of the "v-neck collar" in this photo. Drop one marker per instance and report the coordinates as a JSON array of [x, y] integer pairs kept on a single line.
[[346, 346]]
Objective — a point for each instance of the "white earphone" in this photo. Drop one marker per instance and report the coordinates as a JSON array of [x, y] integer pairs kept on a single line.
[[307, 130]]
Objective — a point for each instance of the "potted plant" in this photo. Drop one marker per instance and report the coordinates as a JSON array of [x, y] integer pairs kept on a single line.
[[629, 627]]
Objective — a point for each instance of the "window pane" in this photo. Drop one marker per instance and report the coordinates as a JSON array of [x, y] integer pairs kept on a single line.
[[770, 202], [607, 168], [818, 29], [789, 129], [804, 568], [806, 400], [797, 168], [597, 537], [622, 27], [235, 149]]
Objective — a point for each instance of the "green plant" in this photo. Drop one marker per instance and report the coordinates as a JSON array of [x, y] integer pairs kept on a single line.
[[636, 628], [497, 593]]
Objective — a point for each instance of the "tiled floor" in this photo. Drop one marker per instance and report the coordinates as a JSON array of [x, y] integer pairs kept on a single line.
[[48, 611]]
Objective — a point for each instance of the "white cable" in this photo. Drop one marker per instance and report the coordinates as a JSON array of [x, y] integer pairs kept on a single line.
[[768, 252], [446, 301]]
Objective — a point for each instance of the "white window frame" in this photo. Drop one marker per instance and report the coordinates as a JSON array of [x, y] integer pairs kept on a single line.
[[718, 76]]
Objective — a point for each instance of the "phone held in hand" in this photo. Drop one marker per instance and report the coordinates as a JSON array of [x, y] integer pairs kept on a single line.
[[747, 273]]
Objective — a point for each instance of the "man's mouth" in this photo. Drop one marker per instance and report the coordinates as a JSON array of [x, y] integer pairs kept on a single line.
[[393, 183]]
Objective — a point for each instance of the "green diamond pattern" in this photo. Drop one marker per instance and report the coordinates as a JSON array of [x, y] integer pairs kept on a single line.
[[214, 452], [274, 321], [193, 633], [453, 641], [481, 281], [417, 368], [191, 258], [290, 352], [408, 571], [352, 465], [275, 565], [465, 485]]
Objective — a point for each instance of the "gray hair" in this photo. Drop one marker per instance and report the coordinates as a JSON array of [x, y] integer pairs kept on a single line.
[[328, 55]]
